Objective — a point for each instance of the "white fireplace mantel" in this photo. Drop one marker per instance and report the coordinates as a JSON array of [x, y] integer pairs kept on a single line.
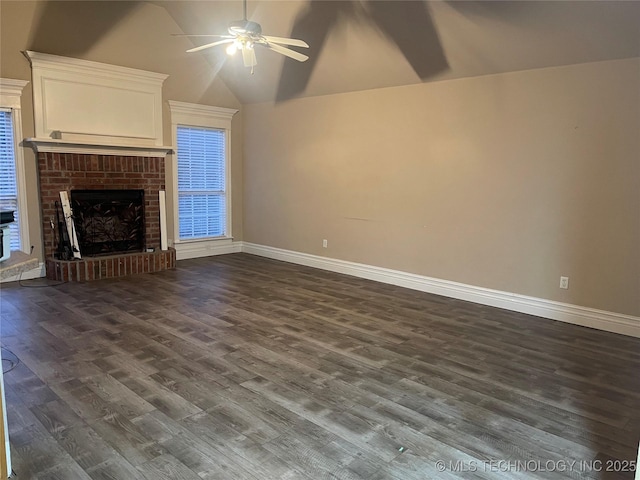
[[82, 106], [55, 145]]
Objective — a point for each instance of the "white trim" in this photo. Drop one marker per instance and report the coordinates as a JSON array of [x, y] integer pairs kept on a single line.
[[6, 460], [196, 115], [201, 115], [65, 146], [206, 248], [89, 102], [162, 201], [10, 97], [21, 180], [11, 92], [115, 72], [564, 312]]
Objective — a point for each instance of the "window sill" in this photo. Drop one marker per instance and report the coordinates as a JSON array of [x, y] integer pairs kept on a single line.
[[201, 240], [205, 247]]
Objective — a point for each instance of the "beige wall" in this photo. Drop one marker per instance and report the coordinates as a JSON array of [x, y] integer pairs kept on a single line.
[[140, 40], [506, 181]]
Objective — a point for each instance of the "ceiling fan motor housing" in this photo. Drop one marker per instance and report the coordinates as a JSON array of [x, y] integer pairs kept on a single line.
[[245, 27]]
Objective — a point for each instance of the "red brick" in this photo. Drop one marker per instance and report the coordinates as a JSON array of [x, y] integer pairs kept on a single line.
[[89, 269], [77, 171], [82, 268]]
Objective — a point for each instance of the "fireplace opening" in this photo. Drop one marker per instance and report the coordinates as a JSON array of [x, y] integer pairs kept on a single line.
[[109, 221]]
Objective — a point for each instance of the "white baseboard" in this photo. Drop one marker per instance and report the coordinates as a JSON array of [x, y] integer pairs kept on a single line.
[[207, 248], [38, 272], [564, 312]]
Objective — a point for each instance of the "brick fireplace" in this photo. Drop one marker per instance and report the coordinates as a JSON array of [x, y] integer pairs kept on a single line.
[[77, 171]]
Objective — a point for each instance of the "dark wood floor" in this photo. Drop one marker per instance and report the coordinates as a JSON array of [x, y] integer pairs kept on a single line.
[[238, 367]]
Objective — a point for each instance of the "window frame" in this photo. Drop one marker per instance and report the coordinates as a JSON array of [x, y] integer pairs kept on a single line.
[[10, 98], [216, 140], [200, 116]]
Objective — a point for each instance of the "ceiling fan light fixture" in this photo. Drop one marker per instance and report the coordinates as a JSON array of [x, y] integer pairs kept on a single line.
[[244, 35]]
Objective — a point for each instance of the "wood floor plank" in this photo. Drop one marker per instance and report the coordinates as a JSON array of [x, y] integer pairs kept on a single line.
[[239, 367], [86, 447], [166, 467], [309, 460], [37, 453], [244, 452], [64, 472], [114, 469], [208, 459], [126, 439]]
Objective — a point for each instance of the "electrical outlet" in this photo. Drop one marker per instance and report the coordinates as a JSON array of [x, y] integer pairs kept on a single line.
[[564, 282], [325, 244]]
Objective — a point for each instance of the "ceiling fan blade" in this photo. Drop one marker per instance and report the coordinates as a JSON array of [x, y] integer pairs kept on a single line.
[[73, 28], [249, 57], [408, 23], [287, 52], [286, 41], [314, 24], [209, 45]]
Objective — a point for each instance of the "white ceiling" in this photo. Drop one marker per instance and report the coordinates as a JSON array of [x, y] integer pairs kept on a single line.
[[478, 38]]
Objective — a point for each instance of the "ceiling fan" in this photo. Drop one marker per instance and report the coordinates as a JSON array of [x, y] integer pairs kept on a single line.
[[244, 35]]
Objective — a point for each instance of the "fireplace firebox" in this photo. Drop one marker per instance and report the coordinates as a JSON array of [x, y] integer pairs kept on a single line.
[[109, 221]]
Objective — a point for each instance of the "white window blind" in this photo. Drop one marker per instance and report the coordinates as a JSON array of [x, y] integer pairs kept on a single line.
[[8, 184], [202, 210]]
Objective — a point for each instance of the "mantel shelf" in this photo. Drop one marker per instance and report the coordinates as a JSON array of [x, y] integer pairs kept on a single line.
[[66, 146]]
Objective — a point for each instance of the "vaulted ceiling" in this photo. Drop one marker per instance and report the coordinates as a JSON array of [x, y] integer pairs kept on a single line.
[[374, 44]]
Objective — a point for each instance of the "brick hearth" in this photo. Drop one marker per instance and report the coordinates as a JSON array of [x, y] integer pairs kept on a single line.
[[96, 268], [67, 171]]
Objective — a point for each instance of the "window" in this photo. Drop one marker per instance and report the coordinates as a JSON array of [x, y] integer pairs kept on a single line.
[[201, 178], [12, 178], [202, 202], [8, 184]]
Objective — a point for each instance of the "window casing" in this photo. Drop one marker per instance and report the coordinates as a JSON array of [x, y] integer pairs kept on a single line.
[[201, 173], [13, 194], [8, 180]]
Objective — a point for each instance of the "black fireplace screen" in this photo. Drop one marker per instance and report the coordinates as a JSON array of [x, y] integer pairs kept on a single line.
[[108, 221]]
